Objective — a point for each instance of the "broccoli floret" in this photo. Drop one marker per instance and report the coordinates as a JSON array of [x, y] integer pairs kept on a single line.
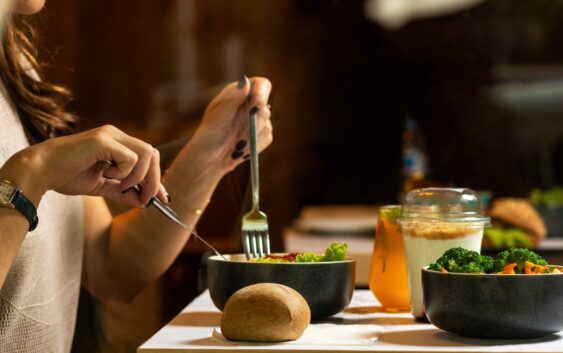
[[435, 267], [518, 256], [463, 260]]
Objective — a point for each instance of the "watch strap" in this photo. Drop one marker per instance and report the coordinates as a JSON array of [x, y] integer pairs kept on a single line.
[[27, 208], [14, 197]]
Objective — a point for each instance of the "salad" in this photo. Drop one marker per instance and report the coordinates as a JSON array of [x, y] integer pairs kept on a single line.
[[335, 252]]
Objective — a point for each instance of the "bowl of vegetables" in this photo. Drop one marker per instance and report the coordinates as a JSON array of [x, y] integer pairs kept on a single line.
[[515, 294], [326, 281]]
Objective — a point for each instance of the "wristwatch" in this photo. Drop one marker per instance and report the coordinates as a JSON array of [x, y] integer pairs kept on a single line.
[[12, 197]]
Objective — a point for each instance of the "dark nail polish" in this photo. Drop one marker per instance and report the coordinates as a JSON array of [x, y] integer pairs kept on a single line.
[[236, 154], [254, 110], [246, 157], [169, 197], [241, 145], [241, 82]]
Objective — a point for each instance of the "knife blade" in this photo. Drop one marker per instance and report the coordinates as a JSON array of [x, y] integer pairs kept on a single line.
[[172, 215]]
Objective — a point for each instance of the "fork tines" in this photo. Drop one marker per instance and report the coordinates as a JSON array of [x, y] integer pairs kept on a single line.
[[256, 242]]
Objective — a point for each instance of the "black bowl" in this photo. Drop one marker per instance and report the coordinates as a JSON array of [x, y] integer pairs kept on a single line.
[[494, 306], [326, 286]]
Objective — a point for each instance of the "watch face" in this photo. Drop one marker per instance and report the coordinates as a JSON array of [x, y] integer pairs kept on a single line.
[[6, 192]]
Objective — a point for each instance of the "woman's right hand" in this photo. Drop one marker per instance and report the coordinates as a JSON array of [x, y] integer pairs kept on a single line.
[[78, 165]]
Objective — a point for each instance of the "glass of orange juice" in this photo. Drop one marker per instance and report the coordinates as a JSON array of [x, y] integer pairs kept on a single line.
[[388, 276]]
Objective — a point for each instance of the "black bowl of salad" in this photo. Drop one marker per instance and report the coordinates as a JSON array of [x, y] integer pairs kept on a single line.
[[515, 295], [326, 281]]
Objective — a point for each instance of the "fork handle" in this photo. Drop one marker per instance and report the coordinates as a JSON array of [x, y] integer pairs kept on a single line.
[[254, 158]]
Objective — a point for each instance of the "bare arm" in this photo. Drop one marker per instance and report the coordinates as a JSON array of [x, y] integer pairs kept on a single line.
[[13, 225], [124, 254], [71, 165]]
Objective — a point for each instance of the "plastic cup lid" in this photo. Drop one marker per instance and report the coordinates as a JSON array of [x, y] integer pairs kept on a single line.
[[443, 204]]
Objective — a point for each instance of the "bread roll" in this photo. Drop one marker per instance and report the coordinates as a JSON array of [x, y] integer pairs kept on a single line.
[[265, 312]]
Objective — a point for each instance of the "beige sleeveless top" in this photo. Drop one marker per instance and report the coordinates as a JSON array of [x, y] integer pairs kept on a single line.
[[39, 299]]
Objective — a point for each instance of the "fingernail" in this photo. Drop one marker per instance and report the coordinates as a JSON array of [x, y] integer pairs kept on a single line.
[[241, 145], [246, 157], [241, 82], [254, 110], [236, 154], [169, 197]]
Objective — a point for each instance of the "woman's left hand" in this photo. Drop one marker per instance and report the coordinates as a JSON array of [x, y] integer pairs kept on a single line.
[[223, 133]]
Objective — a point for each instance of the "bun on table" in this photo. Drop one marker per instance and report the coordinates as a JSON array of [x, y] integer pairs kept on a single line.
[[265, 312]]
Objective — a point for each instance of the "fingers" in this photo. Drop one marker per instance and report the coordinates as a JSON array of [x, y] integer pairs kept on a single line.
[[111, 189], [231, 97], [121, 160], [263, 119], [146, 173], [265, 136], [134, 162], [236, 94], [262, 87], [264, 128]]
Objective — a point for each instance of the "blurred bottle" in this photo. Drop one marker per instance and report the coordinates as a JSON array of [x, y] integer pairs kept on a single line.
[[415, 162], [388, 276]]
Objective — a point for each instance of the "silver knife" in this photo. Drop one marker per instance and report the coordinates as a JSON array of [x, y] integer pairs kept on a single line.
[[171, 214]]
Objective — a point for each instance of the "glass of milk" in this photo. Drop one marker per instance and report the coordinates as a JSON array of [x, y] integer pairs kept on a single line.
[[434, 220]]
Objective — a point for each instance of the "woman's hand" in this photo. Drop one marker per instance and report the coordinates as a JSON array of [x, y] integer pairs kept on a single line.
[[101, 162], [223, 132]]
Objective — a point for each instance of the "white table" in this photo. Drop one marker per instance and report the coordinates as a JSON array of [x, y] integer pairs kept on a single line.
[[191, 331]]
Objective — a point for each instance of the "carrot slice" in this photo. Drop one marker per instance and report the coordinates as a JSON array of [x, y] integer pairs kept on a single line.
[[509, 269], [443, 270]]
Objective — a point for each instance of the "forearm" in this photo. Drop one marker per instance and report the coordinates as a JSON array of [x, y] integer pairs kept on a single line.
[[142, 244], [14, 227], [170, 150]]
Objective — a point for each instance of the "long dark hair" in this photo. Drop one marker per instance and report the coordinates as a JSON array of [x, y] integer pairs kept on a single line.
[[41, 105]]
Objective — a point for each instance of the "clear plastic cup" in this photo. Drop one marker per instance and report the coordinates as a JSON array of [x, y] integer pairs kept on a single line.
[[434, 220]]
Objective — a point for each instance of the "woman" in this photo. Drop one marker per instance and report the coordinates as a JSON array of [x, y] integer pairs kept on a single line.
[[77, 240]]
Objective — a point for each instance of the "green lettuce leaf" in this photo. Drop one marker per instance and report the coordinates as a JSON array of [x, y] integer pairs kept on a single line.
[[335, 252], [308, 257]]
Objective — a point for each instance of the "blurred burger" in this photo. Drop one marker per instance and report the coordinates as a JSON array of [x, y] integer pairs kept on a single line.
[[516, 223]]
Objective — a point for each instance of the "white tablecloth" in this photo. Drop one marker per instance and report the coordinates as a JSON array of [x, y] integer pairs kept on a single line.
[[192, 330]]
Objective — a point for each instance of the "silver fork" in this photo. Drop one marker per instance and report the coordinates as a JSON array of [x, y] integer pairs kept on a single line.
[[255, 236]]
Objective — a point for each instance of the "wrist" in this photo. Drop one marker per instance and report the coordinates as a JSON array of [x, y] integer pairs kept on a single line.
[[19, 170]]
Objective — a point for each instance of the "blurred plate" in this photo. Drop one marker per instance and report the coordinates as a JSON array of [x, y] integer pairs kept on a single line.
[[337, 224]]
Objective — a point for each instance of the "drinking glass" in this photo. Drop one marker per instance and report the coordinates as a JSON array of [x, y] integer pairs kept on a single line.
[[388, 275]]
